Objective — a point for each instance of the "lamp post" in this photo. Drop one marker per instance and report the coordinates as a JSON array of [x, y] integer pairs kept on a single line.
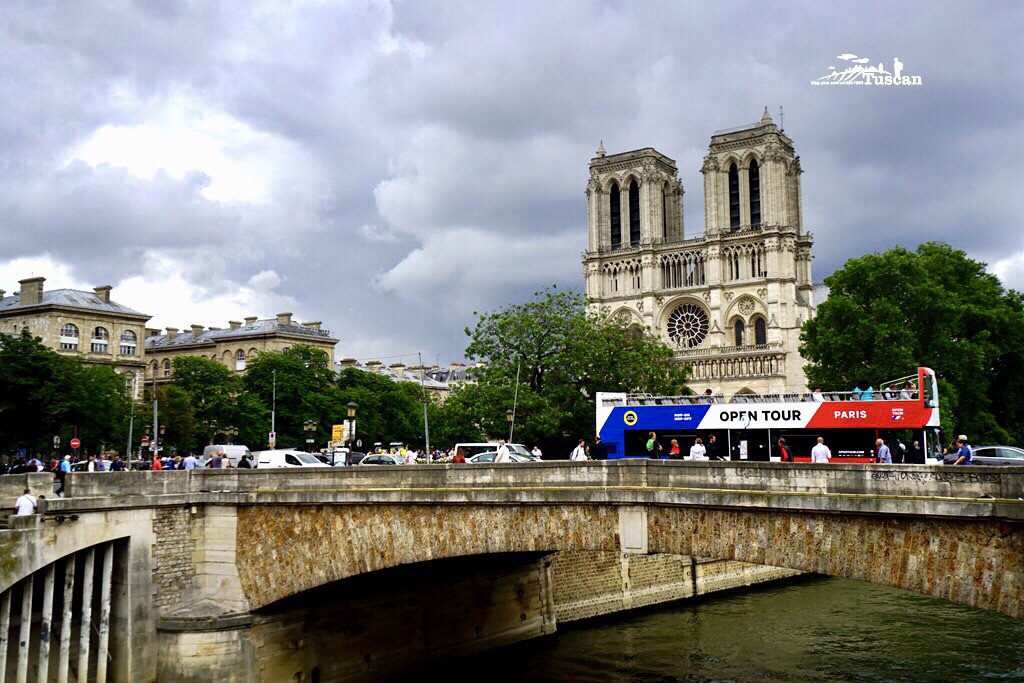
[[350, 428], [160, 443], [310, 428], [510, 415], [146, 438], [230, 433]]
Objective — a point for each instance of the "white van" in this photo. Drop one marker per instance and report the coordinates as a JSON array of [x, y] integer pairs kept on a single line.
[[233, 452], [286, 458]]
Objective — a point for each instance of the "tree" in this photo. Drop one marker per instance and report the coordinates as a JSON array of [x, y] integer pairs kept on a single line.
[[388, 410], [562, 355], [888, 313], [219, 400]]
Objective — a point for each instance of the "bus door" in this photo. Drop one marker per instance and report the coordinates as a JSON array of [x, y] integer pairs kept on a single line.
[[750, 444]]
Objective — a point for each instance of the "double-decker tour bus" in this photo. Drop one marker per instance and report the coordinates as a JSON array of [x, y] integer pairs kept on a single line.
[[748, 426]]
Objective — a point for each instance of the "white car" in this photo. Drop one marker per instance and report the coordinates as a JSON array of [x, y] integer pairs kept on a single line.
[[286, 458], [381, 459], [489, 457]]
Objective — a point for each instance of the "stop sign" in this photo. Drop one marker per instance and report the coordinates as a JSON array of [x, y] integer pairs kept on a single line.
[[75, 443]]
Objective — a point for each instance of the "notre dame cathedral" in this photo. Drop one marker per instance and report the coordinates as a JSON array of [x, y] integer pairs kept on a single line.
[[731, 301]]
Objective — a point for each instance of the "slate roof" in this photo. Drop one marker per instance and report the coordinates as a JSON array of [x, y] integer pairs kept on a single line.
[[405, 376], [260, 327], [71, 298]]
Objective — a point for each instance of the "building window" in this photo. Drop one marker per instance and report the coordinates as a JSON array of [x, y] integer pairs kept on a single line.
[[755, 193], [128, 343], [100, 340], [69, 337], [167, 368], [688, 325], [615, 202], [760, 332], [634, 214], [738, 328], [734, 198], [240, 360]]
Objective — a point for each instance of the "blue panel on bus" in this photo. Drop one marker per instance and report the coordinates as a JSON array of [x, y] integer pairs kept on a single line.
[[650, 418]]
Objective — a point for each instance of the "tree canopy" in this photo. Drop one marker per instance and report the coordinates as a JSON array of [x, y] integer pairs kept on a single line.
[[888, 313], [563, 355]]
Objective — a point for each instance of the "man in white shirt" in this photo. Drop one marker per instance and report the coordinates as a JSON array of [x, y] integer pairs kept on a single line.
[[503, 454], [410, 456], [817, 395], [26, 504], [580, 452], [537, 452], [821, 452]]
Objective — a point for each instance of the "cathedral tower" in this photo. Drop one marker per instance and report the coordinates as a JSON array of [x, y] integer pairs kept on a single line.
[[731, 301]]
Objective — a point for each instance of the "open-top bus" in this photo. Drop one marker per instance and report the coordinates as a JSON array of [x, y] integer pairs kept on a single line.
[[748, 426]]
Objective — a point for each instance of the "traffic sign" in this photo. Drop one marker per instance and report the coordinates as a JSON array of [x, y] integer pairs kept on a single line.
[[75, 443], [145, 439], [272, 438]]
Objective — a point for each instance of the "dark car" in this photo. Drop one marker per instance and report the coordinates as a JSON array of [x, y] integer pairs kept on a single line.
[[991, 455]]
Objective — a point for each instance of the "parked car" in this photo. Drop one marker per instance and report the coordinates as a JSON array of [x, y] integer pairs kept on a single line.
[[355, 457], [232, 452], [380, 459], [991, 455], [490, 455], [286, 458], [471, 449]]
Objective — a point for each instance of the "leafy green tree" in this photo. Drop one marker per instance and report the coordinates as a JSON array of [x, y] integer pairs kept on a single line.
[[219, 400], [888, 313], [563, 355], [387, 410], [177, 415]]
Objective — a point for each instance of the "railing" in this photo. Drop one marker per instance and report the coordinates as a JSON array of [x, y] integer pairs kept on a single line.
[[754, 349]]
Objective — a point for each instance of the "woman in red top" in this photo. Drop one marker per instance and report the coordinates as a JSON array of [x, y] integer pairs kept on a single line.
[[784, 451], [459, 456], [156, 467], [673, 452]]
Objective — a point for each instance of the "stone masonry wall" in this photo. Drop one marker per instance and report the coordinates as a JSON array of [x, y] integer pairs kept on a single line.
[[174, 568]]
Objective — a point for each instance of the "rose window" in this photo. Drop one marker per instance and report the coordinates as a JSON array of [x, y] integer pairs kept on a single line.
[[688, 325]]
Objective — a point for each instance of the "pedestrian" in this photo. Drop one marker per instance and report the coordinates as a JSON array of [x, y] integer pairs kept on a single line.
[[410, 456], [712, 448], [460, 456], [884, 455], [965, 456], [217, 461], [653, 447], [821, 452], [599, 451], [697, 450], [62, 472], [916, 454], [578, 453], [26, 504], [784, 454], [156, 466], [817, 395], [117, 465], [907, 393], [537, 452], [245, 462], [190, 462], [708, 397], [673, 451], [502, 455], [92, 465]]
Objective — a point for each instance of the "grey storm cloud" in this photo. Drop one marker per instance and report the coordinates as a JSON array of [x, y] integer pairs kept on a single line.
[[428, 159]]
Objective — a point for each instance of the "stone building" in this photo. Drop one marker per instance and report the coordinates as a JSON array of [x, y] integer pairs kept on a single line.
[[233, 346], [76, 323], [731, 302]]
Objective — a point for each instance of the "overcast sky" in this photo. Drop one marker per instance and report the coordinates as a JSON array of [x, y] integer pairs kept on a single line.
[[390, 168]]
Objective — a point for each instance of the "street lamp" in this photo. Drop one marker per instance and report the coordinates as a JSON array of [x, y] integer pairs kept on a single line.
[[310, 428], [350, 428], [510, 415], [230, 433], [160, 443]]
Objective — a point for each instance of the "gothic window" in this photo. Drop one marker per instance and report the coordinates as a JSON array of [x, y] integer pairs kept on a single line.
[[738, 328], [755, 193], [100, 339], [128, 344], [634, 213], [240, 360], [167, 368], [760, 332], [616, 215], [69, 337], [688, 325], [734, 197]]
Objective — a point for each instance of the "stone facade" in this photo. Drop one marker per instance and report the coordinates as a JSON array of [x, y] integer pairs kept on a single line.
[[732, 301], [87, 325], [233, 346]]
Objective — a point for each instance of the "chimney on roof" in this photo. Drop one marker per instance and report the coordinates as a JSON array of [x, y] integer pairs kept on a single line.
[[454, 367], [374, 366], [315, 325], [346, 363], [196, 330], [32, 290], [398, 369], [284, 318], [234, 324], [419, 370], [172, 332], [250, 320], [2, 292], [103, 293]]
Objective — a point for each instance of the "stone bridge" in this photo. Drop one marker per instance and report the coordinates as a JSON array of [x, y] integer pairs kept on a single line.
[[353, 573]]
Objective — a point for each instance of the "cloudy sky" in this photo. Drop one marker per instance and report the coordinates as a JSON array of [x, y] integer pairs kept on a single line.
[[390, 168]]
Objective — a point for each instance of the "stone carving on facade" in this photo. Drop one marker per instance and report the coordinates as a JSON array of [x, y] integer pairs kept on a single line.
[[640, 306], [606, 310], [728, 296], [707, 297], [746, 306], [762, 292], [659, 300], [710, 164]]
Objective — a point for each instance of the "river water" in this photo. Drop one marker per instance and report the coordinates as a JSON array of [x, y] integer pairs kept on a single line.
[[812, 629]]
